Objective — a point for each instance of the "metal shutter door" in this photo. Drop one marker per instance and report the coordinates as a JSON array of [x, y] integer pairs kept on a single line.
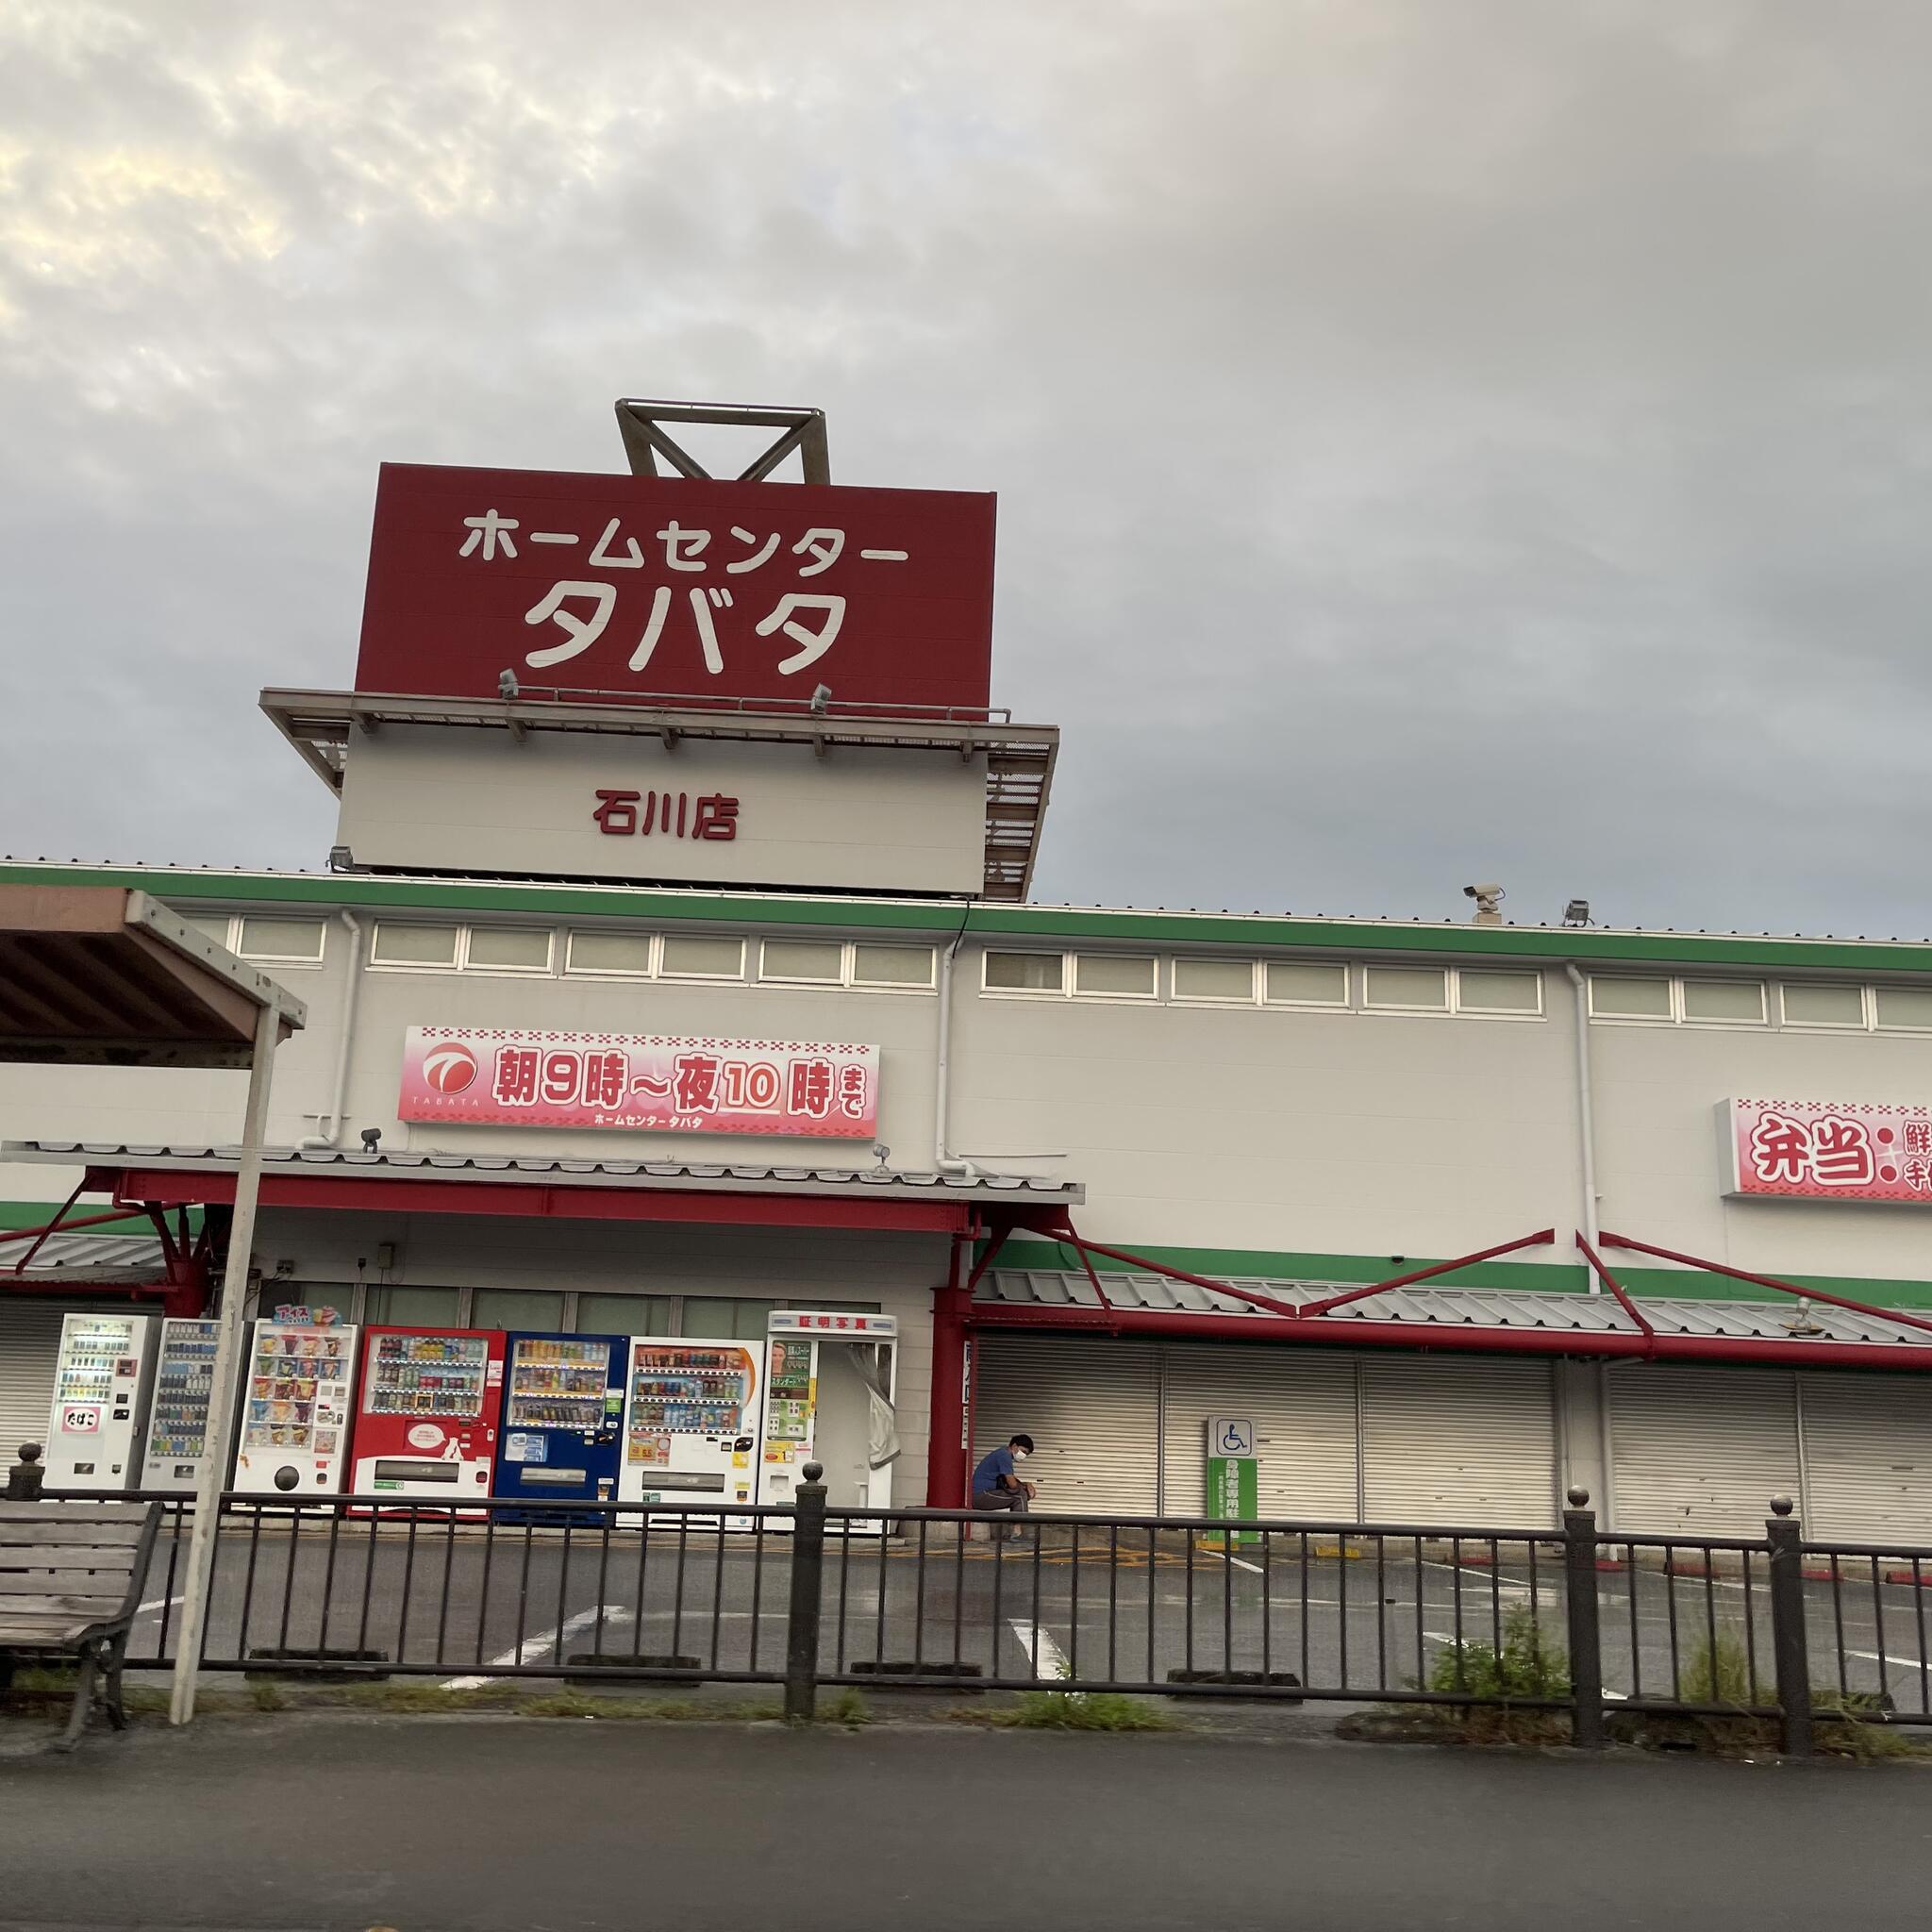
[[1470, 1442], [1090, 1404], [1303, 1405], [30, 1351], [1868, 1454], [1701, 1451]]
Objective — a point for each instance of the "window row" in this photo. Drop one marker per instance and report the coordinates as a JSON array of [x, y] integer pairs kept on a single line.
[[264, 937], [539, 950], [1835, 1004], [550, 1311], [1334, 983]]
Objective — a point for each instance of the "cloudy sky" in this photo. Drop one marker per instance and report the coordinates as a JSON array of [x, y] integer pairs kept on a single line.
[[1436, 440]]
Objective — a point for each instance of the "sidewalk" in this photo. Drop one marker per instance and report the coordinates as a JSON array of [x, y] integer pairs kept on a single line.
[[509, 1826]]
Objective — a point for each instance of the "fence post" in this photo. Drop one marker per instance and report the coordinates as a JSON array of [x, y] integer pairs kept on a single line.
[[807, 1579], [1790, 1644], [1586, 1651], [25, 1479]]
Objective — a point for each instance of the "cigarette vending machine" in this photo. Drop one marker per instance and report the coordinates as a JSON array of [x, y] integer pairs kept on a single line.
[[829, 1398], [177, 1416], [690, 1421], [425, 1424], [562, 1422], [100, 1392], [296, 1404]]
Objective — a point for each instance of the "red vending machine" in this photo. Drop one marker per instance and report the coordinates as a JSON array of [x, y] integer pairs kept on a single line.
[[426, 1413]]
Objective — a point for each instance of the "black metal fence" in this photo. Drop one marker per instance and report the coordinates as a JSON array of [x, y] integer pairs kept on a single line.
[[1576, 1620]]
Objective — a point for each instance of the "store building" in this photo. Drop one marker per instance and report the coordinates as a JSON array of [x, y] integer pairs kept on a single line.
[[968, 1098]]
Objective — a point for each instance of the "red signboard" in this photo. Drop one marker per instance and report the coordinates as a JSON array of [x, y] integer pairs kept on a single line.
[[505, 1077], [633, 586], [1829, 1150]]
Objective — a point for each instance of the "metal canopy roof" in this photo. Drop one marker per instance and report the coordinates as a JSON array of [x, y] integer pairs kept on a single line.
[[554, 1171], [1506, 1312], [105, 975], [1019, 758], [83, 1258]]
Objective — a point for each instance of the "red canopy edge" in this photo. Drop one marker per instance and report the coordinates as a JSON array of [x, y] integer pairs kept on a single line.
[[523, 1200]]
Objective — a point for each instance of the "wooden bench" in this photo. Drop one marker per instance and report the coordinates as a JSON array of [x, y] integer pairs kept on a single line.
[[71, 1577]]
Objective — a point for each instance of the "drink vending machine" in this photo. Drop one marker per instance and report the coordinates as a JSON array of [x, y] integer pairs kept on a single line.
[[562, 1422], [427, 1421], [100, 1389], [690, 1421], [177, 1418], [296, 1404], [829, 1398]]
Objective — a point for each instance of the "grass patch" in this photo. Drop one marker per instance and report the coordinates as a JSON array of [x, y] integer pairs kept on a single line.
[[848, 1709], [1524, 1665], [1071, 1710], [1843, 1726]]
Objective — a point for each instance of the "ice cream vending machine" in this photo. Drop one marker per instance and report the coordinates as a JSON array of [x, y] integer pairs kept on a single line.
[[690, 1421], [295, 1401], [829, 1398], [100, 1396], [563, 1423], [425, 1424], [178, 1416]]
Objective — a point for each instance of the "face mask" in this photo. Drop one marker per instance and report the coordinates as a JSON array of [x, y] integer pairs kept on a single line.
[[1020, 1455]]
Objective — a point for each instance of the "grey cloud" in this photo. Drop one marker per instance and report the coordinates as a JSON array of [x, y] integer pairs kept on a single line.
[[1433, 440]]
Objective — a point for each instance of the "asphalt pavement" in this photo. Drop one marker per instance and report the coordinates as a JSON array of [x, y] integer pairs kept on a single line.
[[517, 1826]]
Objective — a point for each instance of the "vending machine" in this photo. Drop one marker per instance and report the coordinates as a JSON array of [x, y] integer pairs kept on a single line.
[[296, 1402], [425, 1424], [100, 1392], [177, 1416], [829, 1398], [690, 1421], [562, 1425]]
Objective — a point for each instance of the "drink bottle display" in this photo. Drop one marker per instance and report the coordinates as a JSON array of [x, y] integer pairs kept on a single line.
[[100, 1393]]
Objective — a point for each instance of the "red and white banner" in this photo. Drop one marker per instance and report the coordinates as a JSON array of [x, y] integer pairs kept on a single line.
[[620, 586], [1829, 1150], [504, 1076]]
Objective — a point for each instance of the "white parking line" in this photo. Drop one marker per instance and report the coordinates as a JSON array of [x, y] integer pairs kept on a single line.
[[159, 1602], [1902, 1663], [1047, 1659], [1502, 1584], [547, 1639]]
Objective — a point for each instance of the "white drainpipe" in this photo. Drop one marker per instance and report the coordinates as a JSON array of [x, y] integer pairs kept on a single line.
[[943, 1160], [1586, 1110], [351, 993]]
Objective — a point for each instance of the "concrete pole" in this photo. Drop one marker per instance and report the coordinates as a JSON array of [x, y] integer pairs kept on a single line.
[[227, 1373]]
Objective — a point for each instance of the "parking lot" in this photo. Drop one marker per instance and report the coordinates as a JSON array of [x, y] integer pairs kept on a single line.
[[1124, 1606]]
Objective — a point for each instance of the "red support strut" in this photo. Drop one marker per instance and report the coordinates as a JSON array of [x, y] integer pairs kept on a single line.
[[945, 1464], [1812, 1294]]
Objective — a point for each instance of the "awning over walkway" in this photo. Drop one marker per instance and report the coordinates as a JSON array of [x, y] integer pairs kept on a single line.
[[102, 975], [89, 1260], [865, 1198], [1505, 1322]]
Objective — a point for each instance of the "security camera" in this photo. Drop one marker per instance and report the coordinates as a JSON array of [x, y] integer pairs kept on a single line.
[[371, 1138], [505, 684], [1481, 892], [821, 697]]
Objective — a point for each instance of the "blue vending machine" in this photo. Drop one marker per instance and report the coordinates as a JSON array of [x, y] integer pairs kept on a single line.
[[561, 1434]]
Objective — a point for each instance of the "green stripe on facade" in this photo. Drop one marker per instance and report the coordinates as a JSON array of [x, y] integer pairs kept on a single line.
[[1037, 924], [39, 1213], [1544, 1277]]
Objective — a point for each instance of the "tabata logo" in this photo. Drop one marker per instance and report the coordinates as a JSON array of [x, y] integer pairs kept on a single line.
[[448, 1068]]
